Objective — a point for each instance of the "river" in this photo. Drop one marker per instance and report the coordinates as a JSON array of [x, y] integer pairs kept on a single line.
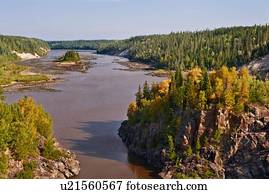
[[87, 110]]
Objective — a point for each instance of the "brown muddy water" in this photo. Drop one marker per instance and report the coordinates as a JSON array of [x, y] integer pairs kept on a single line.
[[87, 109]]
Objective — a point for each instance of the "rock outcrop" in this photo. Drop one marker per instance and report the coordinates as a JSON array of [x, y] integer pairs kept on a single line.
[[209, 144], [260, 67], [66, 166]]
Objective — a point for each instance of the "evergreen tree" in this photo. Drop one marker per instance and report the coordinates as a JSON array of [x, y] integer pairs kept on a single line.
[[139, 97], [146, 91], [178, 77]]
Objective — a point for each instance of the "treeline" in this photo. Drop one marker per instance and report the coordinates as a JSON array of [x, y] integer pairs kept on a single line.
[[79, 44], [8, 44], [25, 133], [234, 46], [198, 90]]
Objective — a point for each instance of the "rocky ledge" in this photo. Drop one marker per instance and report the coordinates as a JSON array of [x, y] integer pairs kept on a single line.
[[66, 166], [233, 146]]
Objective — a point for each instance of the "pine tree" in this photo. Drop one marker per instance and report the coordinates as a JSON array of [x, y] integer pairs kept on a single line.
[[178, 77], [202, 100], [191, 94], [205, 83], [146, 91], [139, 97]]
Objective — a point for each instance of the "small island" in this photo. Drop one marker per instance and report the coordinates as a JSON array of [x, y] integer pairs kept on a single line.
[[70, 56], [71, 61]]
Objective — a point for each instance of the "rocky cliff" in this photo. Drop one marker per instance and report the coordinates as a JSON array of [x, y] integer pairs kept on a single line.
[[208, 144]]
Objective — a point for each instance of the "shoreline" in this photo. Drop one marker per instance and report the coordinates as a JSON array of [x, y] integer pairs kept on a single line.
[[138, 66], [51, 69], [40, 85]]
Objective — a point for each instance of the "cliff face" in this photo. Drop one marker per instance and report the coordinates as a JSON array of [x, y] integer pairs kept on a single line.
[[208, 144]]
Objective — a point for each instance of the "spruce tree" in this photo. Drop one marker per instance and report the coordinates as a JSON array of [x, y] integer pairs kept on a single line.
[[139, 97], [146, 91]]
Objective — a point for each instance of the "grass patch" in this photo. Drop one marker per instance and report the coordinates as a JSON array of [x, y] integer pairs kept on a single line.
[[10, 73], [30, 78], [161, 73]]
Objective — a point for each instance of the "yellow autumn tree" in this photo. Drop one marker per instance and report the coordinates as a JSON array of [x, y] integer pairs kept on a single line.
[[163, 87], [195, 74], [244, 90], [131, 109], [218, 88], [36, 114]]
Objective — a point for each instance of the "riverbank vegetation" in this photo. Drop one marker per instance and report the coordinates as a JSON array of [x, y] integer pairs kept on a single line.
[[9, 44], [24, 128], [234, 46], [11, 73]]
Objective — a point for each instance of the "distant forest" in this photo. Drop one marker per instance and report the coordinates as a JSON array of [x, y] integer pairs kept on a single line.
[[79, 44], [234, 46], [210, 49]]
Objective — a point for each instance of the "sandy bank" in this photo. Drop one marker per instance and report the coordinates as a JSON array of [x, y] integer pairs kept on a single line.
[[26, 56]]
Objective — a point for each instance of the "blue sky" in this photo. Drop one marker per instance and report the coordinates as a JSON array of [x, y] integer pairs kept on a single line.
[[117, 19]]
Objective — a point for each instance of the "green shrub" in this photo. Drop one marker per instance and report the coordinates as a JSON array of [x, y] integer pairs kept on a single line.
[[188, 175], [172, 150], [208, 174], [3, 134], [259, 91], [25, 141], [50, 152], [197, 146], [217, 135], [188, 152], [35, 113], [3, 164], [28, 170]]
